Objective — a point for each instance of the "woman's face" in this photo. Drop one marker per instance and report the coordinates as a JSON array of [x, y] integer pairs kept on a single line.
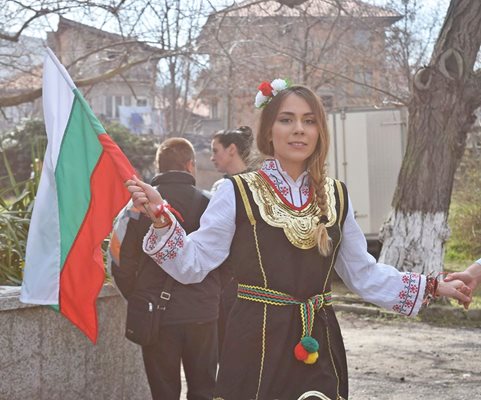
[[221, 156], [294, 133]]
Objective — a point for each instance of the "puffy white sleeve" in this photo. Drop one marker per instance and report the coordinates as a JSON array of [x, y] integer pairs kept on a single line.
[[189, 258], [376, 283]]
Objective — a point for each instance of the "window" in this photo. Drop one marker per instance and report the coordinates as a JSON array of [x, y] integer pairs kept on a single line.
[[362, 39], [364, 77], [327, 101], [214, 113], [141, 102], [112, 104], [118, 102], [108, 106]]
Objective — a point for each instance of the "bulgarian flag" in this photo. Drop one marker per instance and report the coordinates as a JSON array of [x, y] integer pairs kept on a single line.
[[81, 191]]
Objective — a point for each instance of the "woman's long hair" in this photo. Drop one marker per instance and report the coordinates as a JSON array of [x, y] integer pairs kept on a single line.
[[315, 164]]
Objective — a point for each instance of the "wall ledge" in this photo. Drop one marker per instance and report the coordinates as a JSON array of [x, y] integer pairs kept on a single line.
[[9, 297]]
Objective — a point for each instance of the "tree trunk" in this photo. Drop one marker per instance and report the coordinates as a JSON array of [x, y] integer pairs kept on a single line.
[[441, 111]]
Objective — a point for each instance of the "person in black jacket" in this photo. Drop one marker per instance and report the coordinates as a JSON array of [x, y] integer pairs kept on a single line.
[[188, 328]]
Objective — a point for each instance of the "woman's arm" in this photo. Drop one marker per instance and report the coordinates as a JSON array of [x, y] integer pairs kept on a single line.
[[381, 284], [189, 258]]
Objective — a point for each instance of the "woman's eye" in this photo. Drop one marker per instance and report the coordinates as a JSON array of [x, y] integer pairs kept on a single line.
[[310, 121], [285, 120]]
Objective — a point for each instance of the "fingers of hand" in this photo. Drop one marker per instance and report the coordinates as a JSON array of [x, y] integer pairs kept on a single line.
[[463, 294], [134, 188], [138, 182], [139, 198], [450, 277]]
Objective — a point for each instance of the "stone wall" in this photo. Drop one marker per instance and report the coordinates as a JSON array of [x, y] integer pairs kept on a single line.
[[43, 356]]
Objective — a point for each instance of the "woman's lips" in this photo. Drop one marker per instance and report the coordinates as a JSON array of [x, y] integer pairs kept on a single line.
[[297, 144]]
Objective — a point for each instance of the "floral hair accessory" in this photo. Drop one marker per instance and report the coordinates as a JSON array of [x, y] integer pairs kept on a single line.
[[268, 90]]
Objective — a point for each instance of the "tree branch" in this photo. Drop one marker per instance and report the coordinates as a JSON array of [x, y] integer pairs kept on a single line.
[[17, 99]]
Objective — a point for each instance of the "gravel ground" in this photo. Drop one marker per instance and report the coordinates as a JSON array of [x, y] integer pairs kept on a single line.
[[403, 359]]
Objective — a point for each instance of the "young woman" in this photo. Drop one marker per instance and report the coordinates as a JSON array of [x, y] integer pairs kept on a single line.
[[230, 149], [230, 152], [285, 228]]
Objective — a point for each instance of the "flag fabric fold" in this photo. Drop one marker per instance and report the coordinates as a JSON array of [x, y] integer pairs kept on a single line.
[[81, 191]]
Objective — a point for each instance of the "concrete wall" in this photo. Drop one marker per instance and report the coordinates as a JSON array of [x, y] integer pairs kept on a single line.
[[43, 356]]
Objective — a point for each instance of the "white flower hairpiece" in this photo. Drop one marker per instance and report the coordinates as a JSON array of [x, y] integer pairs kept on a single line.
[[268, 90]]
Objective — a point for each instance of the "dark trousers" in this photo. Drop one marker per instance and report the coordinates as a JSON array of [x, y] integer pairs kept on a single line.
[[195, 345]]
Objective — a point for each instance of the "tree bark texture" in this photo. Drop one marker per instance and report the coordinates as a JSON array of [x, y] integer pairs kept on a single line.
[[444, 97], [417, 242]]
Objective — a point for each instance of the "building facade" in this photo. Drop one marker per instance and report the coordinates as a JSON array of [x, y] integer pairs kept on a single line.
[[339, 51], [128, 97]]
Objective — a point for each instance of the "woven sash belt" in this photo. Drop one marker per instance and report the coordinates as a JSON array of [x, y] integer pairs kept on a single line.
[[306, 349]]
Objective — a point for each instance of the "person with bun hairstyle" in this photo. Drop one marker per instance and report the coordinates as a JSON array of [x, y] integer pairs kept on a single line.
[[231, 149], [285, 228]]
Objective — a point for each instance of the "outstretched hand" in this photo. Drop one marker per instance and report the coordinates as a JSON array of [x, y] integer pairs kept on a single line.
[[471, 277], [455, 289], [145, 197]]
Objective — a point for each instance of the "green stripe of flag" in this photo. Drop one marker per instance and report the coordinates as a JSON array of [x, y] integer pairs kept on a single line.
[[79, 154]]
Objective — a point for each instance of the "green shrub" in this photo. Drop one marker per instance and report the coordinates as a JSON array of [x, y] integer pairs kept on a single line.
[[16, 204], [20, 167], [26, 141], [465, 211], [140, 150]]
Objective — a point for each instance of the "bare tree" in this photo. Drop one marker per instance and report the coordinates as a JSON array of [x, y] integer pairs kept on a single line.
[[409, 43], [166, 27], [176, 26], [336, 47], [445, 94]]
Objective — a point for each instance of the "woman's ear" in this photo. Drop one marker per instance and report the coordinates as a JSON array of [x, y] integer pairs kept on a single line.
[[232, 149]]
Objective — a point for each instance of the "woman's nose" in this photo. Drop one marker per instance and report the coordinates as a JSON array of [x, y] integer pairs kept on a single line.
[[299, 128]]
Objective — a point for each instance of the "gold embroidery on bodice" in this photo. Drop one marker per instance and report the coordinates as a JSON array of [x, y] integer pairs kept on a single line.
[[299, 224]]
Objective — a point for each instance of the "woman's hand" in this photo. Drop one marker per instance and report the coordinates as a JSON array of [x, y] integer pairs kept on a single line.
[[145, 197], [457, 290], [471, 276]]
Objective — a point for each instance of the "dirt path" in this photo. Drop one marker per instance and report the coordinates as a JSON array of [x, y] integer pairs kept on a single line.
[[403, 359]]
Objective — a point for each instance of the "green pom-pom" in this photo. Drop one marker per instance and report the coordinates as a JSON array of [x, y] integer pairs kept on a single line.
[[310, 344]]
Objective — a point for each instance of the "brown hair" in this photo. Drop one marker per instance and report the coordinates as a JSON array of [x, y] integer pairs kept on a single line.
[[173, 154], [315, 163], [242, 137]]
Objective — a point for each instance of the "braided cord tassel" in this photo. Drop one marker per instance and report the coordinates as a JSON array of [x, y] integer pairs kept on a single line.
[[307, 348]]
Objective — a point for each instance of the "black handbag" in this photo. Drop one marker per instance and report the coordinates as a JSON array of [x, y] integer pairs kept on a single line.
[[144, 314], [144, 310]]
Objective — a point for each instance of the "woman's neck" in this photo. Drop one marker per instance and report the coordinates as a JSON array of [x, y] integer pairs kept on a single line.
[[236, 166], [294, 170]]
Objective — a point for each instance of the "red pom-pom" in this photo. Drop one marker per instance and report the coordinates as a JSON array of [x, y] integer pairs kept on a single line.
[[265, 88], [300, 352]]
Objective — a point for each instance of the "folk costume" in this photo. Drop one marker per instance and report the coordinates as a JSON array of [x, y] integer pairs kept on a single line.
[[282, 338]]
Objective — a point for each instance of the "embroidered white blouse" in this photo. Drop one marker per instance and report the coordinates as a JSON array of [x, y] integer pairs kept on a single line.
[[189, 258]]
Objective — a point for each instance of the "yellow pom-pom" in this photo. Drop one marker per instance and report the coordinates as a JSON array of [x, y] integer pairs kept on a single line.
[[311, 358]]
